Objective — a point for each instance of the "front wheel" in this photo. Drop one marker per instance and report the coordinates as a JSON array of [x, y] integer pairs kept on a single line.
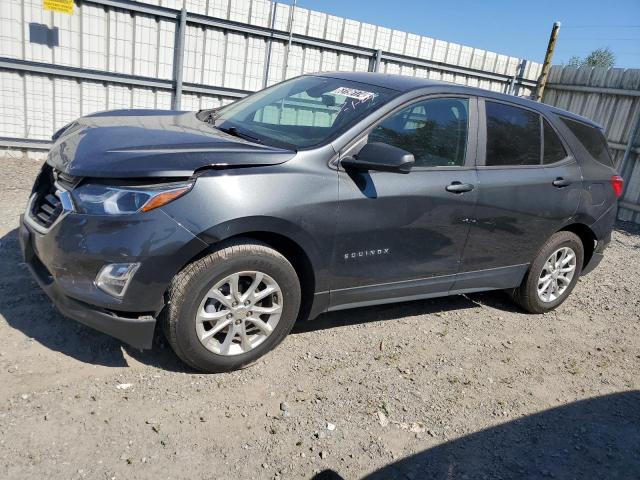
[[552, 275], [231, 307]]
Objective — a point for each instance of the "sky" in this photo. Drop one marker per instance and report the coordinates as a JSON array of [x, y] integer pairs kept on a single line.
[[516, 28]]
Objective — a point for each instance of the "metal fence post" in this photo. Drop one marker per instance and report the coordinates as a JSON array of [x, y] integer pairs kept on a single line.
[[376, 61], [292, 12], [511, 86], [178, 60], [267, 62], [517, 78]]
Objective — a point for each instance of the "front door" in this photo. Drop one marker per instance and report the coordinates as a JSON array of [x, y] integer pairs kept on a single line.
[[402, 235]]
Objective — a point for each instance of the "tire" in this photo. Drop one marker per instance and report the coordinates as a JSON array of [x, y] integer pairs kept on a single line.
[[526, 295], [190, 290]]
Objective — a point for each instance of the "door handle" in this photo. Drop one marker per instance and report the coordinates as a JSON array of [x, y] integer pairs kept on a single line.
[[561, 182], [458, 187]]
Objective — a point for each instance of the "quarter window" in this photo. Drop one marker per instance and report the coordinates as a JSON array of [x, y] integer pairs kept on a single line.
[[592, 139], [513, 135], [553, 149], [434, 131]]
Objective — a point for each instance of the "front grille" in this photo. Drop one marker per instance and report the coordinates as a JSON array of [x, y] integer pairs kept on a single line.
[[46, 207]]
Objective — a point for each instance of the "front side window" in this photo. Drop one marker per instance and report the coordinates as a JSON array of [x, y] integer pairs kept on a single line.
[[513, 135], [434, 131], [302, 112], [592, 139]]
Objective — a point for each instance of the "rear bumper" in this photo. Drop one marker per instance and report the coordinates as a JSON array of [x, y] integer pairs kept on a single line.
[[602, 229], [597, 256], [135, 331]]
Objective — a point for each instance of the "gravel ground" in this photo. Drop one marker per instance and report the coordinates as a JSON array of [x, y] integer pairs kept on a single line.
[[459, 387]]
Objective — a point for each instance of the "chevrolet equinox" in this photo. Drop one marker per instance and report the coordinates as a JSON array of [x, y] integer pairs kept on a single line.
[[323, 192]]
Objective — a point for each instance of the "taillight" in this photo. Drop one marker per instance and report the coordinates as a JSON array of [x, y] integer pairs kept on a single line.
[[617, 182]]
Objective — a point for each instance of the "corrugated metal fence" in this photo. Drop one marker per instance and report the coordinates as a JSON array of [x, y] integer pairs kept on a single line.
[[122, 54], [610, 97], [151, 54]]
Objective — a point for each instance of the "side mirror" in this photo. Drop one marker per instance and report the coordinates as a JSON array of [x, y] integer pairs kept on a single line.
[[382, 157]]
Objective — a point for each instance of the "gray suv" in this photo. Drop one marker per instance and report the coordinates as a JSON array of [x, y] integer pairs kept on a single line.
[[320, 193]]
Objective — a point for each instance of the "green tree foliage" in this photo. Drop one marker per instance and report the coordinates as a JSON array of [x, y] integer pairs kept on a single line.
[[575, 61], [601, 57]]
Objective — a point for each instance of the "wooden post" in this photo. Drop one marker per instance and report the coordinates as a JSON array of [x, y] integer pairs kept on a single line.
[[546, 66]]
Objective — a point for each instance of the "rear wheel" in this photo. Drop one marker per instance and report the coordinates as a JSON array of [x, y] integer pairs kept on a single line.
[[231, 307], [552, 275]]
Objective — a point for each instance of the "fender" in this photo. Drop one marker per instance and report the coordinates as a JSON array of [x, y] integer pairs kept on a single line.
[[319, 257]]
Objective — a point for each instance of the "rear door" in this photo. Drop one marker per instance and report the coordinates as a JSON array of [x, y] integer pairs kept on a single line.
[[529, 186], [402, 235]]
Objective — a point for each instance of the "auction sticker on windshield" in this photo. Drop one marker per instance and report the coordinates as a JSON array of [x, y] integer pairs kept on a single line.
[[353, 93]]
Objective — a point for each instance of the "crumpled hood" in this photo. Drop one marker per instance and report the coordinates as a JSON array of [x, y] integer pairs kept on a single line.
[[151, 143]]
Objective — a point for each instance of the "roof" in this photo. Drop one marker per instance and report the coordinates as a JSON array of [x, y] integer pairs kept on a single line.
[[405, 84]]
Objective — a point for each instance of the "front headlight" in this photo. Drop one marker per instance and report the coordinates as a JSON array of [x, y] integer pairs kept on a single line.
[[98, 199]]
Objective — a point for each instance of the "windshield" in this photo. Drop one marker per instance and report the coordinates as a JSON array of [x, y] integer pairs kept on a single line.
[[300, 113]]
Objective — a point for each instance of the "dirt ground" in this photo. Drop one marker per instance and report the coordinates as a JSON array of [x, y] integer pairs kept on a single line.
[[454, 388]]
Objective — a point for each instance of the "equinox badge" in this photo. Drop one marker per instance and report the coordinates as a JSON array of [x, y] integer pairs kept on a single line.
[[366, 253]]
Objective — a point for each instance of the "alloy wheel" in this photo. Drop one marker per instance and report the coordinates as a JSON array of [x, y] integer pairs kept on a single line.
[[239, 312], [556, 275]]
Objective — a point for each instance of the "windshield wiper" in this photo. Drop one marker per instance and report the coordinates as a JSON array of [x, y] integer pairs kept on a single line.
[[237, 133]]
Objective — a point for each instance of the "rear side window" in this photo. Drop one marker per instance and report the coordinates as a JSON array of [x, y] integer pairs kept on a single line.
[[513, 135], [591, 139], [553, 149]]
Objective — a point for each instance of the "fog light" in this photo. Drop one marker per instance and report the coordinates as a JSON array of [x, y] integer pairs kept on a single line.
[[114, 278]]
